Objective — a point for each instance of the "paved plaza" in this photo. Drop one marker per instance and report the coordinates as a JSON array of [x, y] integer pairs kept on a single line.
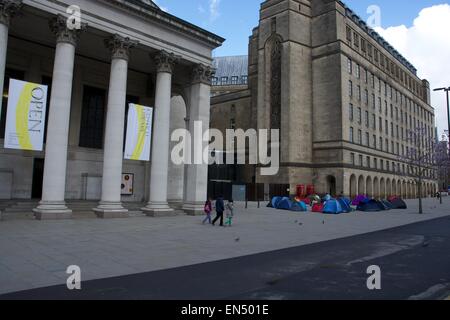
[[36, 254]]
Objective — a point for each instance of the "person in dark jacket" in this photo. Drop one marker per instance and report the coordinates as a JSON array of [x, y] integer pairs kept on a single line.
[[220, 208]]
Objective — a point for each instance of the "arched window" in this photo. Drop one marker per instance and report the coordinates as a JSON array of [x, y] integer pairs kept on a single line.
[[275, 84]]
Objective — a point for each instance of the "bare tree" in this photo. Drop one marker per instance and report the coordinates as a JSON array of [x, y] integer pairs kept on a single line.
[[421, 158], [442, 161]]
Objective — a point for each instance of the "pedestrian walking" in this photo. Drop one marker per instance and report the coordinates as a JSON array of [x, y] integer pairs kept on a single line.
[[229, 213], [208, 211], [220, 208]]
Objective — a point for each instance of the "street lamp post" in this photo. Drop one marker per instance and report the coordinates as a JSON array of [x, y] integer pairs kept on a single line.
[[447, 90]]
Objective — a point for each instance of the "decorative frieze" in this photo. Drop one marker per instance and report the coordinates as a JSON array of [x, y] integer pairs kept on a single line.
[[120, 46], [8, 8], [165, 61], [58, 26], [202, 74]]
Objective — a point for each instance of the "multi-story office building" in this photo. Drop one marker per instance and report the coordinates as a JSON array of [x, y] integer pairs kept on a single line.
[[342, 97]]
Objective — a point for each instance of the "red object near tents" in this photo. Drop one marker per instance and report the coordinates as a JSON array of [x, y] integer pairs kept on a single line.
[[306, 201], [317, 208]]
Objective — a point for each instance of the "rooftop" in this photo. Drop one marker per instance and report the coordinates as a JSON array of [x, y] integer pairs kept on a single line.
[[231, 67], [376, 36]]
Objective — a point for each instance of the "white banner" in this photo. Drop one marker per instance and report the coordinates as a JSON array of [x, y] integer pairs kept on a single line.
[[139, 133], [25, 119]]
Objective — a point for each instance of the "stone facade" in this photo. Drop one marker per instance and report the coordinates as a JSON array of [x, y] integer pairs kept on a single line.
[[155, 69], [339, 93]]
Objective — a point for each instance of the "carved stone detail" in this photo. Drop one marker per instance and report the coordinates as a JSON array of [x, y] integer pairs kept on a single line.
[[165, 61], [58, 26], [120, 46], [202, 74], [8, 8]]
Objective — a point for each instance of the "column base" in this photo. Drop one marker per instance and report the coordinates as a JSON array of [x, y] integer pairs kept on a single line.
[[52, 211], [194, 208], [158, 209], [110, 210]]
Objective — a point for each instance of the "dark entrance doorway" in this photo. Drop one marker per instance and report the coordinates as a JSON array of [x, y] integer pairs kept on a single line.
[[331, 182], [38, 177]]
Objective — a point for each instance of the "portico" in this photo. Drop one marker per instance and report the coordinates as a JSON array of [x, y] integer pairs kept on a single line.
[[124, 52]]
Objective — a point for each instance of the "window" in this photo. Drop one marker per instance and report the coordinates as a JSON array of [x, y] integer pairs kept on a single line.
[[350, 88], [9, 74], [381, 144], [368, 162], [234, 80], [375, 163], [366, 119], [214, 81], [349, 66], [358, 88], [359, 137], [380, 125], [359, 115], [358, 71], [366, 97], [92, 118], [350, 112], [352, 139], [361, 160], [224, 81], [244, 79], [367, 141], [382, 164], [374, 141], [374, 122], [356, 39], [352, 158], [349, 33]]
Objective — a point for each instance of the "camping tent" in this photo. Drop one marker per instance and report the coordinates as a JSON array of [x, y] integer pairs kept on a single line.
[[318, 207], [371, 206], [360, 198], [327, 197], [285, 204], [332, 206], [299, 207], [398, 203], [275, 201], [345, 204], [387, 205]]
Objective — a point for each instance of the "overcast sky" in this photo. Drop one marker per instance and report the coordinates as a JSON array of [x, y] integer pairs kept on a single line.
[[418, 29]]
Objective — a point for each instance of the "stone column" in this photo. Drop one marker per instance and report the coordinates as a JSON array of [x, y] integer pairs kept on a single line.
[[8, 8], [158, 204], [196, 174], [110, 205], [52, 205]]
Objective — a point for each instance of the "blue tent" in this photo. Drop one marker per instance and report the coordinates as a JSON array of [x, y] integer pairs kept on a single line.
[[333, 206], [327, 197], [299, 206], [276, 201], [345, 204], [371, 206], [285, 204], [387, 205]]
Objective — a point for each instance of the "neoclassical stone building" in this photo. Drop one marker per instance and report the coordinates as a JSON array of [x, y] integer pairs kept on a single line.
[[342, 97], [124, 51]]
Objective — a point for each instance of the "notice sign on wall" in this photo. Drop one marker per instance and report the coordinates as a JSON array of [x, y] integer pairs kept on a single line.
[[25, 118], [139, 133]]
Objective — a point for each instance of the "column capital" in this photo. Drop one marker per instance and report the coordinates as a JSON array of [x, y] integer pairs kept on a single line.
[[165, 61], [202, 74], [8, 8], [120, 46], [58, 26]]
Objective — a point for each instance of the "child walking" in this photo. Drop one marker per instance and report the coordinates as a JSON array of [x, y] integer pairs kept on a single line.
[[208, 211], [230, 213]]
